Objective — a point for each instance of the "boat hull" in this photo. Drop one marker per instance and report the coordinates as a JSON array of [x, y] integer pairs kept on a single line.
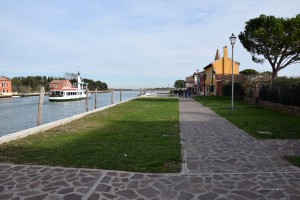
[[58, 99]]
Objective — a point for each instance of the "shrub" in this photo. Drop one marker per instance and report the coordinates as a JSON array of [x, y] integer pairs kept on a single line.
[[283, 90], [238, 90]]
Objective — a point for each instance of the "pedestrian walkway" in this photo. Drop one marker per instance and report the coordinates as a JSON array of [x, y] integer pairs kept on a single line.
[[220, 162]]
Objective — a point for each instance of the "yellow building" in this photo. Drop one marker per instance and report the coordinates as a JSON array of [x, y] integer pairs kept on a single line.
[[217, 69]]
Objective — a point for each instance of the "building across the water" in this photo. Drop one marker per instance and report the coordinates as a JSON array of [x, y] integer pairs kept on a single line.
[[60, 84], [5, 87]]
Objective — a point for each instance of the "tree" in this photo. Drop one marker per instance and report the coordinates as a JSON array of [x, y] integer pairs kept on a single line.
[[249, 72], [179, 84], [277, 40]]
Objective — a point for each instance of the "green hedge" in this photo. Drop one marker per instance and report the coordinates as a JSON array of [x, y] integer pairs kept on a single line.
[[238, 90], [283, 90]]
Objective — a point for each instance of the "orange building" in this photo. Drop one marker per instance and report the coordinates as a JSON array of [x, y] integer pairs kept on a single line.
[[59, 84], [221, 66], [5, 87]]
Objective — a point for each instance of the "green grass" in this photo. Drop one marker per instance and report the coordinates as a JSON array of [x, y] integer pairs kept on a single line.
[[256, 121], [139, 135], [295, 160]]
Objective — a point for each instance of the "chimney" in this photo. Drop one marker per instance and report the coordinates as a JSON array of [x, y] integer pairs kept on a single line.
[[225, 52]]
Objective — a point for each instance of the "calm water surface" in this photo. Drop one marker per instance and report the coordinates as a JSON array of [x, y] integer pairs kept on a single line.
[[17, 114]]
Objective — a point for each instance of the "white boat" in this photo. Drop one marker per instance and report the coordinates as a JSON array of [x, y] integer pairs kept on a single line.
[[69, 93]]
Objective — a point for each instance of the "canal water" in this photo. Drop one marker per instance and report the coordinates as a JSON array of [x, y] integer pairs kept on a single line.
[[17, 114]]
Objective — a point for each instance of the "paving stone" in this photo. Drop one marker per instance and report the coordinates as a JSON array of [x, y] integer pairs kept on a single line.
[[94, 196], [6, 196], [168, 194], [245, 184], [218, 177], [219, 191], [277, 194], [195, 179], [294, 197], [208, 196], [103, 188], [72, 197], [106, 179], [58, 184], [133, 185], [28, 193], [129, 194], [37, 197], [159, 186], [65, 190], [148, 192], [182, 186], [236, 197], [185, 196], [247, 194], [109, 196], [137, 176]]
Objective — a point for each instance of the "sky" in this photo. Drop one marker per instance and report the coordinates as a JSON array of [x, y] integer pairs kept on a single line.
[[128, 43]]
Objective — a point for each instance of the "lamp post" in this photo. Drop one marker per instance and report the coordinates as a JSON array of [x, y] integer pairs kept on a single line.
[[232, 41], [212, 88], [197, 82]]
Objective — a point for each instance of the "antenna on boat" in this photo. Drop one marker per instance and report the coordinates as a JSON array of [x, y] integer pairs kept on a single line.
[[78, 70]]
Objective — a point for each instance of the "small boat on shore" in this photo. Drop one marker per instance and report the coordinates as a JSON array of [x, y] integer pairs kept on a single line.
[[63, 90]]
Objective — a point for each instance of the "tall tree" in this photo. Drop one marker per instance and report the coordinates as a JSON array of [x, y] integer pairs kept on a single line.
[[179, 84], [249, 72], [276, 40]]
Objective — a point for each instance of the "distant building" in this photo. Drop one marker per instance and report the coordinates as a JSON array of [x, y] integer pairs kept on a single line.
[[60, 84], [5, 87], [199, 83], [218, 71], [189, 83]]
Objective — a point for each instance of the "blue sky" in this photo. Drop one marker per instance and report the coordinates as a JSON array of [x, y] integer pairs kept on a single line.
[[127, 43]]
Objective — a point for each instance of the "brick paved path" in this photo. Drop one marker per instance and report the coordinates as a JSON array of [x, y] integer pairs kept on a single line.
[[220, 162]]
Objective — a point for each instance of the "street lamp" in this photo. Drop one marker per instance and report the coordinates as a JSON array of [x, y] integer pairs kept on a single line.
[[212, 87], [232, 41], [197, 82]]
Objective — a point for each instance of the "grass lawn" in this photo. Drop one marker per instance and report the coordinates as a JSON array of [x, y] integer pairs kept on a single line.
[[256, 121], [139, 135]]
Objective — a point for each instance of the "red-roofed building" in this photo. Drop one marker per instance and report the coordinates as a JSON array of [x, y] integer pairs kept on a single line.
[[5, 87], [60, 84]]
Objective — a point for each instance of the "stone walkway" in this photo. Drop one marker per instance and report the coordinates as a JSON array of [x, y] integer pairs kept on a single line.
[[220, 162]]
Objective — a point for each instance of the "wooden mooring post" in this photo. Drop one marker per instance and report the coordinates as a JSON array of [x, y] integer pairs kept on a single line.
[[96, 98], [121, 95], [112, 96], [40, 109], [87, 101]]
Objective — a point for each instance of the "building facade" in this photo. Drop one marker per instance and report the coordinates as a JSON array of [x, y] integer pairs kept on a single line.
[[5, 87], [189, 83], [221, 67], [59, 84], [199, 83]]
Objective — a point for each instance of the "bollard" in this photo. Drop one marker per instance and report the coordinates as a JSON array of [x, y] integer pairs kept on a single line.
[[112, 96], [121, 95], [39, 118], [96, 99], [87, 101]]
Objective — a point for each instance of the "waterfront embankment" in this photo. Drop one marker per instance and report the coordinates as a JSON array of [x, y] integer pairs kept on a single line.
[[21, 113]]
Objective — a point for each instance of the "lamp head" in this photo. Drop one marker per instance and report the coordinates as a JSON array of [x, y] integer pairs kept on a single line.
[[232, 39]]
